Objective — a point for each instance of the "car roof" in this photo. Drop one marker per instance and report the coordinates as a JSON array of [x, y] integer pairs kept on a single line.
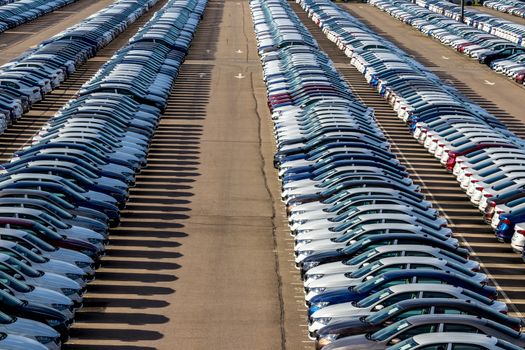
[[455, 337]]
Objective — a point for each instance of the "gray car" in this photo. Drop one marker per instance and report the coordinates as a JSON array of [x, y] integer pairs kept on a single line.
[[392, 295], [381, 252], [454, 340], [40, 247], [16, 342], [61, 284], [437, 323], [30, 329], [348, 279]]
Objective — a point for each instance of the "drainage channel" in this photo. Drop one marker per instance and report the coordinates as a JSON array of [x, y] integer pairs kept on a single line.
[[441, 188]]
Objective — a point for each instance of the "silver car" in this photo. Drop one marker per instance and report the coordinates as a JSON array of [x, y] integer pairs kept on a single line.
[[348, 279], [16, 342], [61, 284], [380, 252], [420, 324], [34, 330], [447, 341], [392, 295]]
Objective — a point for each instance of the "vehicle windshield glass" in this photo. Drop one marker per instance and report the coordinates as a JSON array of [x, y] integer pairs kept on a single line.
[[365, 270], [500, 186], [39, 243], [74, 187], [516, 202], [371, 283], [345, 213], [10, 300], [506, 345], [31, 255], [389, 331], [409, 344], [486, 173], [381, 315], [461, 269], [361, 257], [374, 298], [347, 224], [320, 175], [20, 266], [477, 297], [50, 219], [335, 198], [14, 283], [453, 256]]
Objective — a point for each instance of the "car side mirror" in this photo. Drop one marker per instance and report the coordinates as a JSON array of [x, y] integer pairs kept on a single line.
[[367, 278], [34, 250], [18, 276], [378, 307]]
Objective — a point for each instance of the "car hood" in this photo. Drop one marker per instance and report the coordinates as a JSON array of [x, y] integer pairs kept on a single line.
[[340, 310], [355, 342]]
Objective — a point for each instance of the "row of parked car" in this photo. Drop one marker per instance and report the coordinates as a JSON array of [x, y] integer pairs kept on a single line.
[[13, 13], [60, 194], [381, 269], [28, 78], [513, 7], [500, 27], [501, 55], [455, 130]]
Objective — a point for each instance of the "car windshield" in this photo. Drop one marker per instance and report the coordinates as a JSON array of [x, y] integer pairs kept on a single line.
[[460, 268], [362, 257], [367, 285], [39, 243], [20, 266], [365, 270], [516, 202], [48, 218], [506, 345], [477, 297], [345, 214], [29, 254], [389, 331], [73, 186], [346, 225], [335, 198], [10, 300], [374, 298], [14, 283], [453, 256], [380, 316], [408, 344]]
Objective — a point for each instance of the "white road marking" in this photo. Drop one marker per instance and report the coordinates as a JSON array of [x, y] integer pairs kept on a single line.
[[240, 76], [489, 83]]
